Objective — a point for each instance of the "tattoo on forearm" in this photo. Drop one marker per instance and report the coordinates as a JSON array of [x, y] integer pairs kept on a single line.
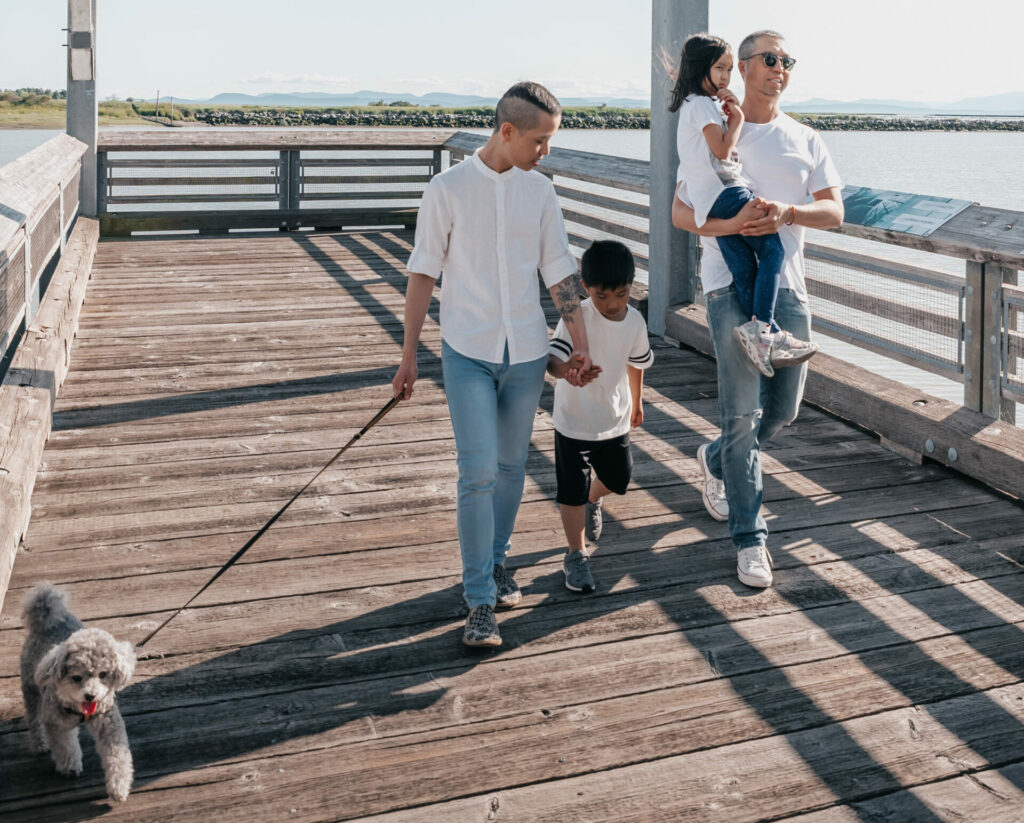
[[567, 296]]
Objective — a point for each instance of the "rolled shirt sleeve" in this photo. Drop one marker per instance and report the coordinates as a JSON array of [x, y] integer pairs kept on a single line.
[[556, 260]]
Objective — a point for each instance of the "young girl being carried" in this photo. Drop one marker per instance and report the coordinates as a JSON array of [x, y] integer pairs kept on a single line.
[[717, 188]]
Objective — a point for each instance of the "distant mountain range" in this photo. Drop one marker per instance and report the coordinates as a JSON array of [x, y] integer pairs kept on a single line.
[[999, 105]]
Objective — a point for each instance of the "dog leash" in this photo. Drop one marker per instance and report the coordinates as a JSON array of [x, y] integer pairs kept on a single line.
[[376, 419]]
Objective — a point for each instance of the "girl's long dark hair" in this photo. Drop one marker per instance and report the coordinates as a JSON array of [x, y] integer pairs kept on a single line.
[[700, 53]]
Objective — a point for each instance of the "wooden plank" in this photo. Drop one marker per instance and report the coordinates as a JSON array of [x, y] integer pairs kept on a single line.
[[273, 140], [614, 172], [30, 388], [917, 318], [123, 223]]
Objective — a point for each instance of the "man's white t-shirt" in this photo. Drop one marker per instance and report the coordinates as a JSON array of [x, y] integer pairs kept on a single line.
[[601, 410], [706, 175], [785, 161]]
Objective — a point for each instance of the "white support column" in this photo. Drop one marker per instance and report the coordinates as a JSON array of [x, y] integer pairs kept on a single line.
[[673, 253], [82, 112]]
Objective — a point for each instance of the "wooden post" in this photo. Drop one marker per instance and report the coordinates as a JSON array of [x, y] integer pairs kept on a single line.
[[983, 376], [993, 403], [82, 112], [673, 254], [101, 182]]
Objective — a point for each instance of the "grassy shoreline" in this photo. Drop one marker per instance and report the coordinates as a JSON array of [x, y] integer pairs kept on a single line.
[[50, 114]]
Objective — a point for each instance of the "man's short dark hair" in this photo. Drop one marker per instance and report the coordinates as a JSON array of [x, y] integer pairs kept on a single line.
[[522, 105], [607, 264], [747, 44]]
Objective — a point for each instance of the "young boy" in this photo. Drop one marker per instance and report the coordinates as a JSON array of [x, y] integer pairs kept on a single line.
[[489, 223], [592, 422]]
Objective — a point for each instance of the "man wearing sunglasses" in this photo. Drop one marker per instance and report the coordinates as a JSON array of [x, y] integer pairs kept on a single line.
[[798, 187]]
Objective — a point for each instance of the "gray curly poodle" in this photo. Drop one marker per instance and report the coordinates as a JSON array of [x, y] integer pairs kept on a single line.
[[69, 676]]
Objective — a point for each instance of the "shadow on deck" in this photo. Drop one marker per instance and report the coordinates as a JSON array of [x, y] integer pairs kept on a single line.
[[323, 678]]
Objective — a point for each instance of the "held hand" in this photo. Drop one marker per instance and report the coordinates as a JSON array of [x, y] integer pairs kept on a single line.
[[754, 210], [581, 369], [769, 223], [637, 418], [404, 379]]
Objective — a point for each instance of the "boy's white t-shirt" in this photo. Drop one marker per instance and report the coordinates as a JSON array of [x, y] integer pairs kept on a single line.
[[706, 175], [784, 161], [602, 409]]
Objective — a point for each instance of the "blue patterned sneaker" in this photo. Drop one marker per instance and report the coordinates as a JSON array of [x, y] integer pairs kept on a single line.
[[481, 627], [593, 521], [509, 594], [578, 578]]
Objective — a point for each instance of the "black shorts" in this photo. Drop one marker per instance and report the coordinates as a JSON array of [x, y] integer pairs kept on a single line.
[[611, 461]]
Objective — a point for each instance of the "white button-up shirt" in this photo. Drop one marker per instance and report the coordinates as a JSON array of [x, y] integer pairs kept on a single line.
[[490, 233]]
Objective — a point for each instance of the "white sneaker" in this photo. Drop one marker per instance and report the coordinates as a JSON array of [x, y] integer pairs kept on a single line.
[[756, 340], [713, 491], [788, 350], [754, 567]]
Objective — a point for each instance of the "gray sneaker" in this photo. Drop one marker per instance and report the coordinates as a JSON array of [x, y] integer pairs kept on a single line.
[[509, 594], [593, 521], [577, 573], [481, 627], [757, 345], [788, 350]]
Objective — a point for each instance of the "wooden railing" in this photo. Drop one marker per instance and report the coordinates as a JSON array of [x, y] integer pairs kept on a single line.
[[46, 254], [219, 180], [38, 206]]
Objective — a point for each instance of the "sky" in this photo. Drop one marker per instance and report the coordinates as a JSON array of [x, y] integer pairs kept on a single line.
[[914, 50]]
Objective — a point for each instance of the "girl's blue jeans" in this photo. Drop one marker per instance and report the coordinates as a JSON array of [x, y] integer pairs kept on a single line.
[[755, 262], [752, 408], [492, 406]]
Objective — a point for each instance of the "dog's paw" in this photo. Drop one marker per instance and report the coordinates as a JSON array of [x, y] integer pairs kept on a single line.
[[71, 770], [37, 745], [119, 792]]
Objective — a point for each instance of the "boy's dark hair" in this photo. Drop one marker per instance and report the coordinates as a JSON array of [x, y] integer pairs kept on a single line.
[[700, 53], [607, 264], [522, 104]]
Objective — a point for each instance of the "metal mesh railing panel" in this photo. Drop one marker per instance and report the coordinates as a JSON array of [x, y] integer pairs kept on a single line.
[[886, 312]]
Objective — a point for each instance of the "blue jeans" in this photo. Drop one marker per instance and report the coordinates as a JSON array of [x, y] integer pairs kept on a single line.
[[755, 262], [492, 406], [752, 408]]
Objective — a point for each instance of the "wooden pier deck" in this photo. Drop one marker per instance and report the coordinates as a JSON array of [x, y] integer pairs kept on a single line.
[[323, 679]]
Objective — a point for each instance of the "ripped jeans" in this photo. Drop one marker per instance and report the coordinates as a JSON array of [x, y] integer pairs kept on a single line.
[[752, 408]]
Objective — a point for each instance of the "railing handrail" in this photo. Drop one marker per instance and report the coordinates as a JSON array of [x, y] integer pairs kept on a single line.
[[220, 139], [28, 183]]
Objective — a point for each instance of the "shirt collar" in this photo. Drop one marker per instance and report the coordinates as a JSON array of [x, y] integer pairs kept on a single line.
[[491, 173]]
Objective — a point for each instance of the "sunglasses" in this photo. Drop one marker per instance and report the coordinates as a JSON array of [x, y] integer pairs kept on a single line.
[[770, 59]]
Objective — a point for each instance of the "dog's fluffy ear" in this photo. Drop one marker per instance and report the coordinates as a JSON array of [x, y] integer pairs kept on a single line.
[[125, 666], [49, 669]]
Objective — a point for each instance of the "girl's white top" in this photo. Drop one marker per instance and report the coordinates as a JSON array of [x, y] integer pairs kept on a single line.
[[706, 175], [490, 232], [601, 410], [788, 162]]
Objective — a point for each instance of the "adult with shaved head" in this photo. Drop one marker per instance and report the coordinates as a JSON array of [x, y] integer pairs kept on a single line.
[[790, 168], [490, 223]]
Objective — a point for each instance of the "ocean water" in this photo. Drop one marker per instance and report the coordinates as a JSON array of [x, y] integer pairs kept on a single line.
[[983, 167]]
